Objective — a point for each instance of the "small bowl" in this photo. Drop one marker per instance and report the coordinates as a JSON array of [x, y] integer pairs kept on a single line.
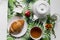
[[39, 36]]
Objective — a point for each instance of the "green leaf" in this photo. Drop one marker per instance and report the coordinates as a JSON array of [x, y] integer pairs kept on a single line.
[[45, 37], [49, 1], [53, 32], [10, 38], [11, 3], [28, 1], [10, 8], [19, 14], [48, 19], [23, 38]]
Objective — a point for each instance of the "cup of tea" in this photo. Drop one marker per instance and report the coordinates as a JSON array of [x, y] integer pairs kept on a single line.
[[36, 33]]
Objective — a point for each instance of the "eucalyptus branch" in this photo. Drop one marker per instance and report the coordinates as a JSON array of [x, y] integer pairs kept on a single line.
[[18, 4], [53, 32]]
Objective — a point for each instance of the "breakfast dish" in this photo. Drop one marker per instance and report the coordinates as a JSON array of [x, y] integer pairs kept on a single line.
[[16, 27]]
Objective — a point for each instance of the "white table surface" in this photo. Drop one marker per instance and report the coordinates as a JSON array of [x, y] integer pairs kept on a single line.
[[55, 8]]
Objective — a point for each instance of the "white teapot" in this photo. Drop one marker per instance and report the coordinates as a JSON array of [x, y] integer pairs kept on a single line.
[[40, 9]]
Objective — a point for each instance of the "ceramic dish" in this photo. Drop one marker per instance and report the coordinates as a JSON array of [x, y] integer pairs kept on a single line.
[[40, 8], [23, 31], [39, 33]]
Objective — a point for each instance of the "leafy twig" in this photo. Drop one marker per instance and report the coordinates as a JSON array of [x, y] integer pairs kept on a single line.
[[53, 32]]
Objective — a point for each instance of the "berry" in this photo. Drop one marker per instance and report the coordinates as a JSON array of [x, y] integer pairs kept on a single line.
[[27, 13]]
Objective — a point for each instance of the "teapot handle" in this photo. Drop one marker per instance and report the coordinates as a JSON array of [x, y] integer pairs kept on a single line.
[[34, 17]]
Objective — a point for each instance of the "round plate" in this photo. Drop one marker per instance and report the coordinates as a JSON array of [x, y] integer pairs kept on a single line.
[[23, 30]]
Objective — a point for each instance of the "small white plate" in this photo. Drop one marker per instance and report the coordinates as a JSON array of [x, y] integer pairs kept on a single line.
[[23, 30]]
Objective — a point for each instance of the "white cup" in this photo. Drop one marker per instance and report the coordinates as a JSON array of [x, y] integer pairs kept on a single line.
[[39, 36]]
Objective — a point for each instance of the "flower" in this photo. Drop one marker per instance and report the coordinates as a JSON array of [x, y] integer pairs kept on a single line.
[[48, 26]]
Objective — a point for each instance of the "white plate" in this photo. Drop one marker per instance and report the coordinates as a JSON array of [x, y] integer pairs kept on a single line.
[[23, 30]]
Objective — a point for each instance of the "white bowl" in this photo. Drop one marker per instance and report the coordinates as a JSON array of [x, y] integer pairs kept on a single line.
[[23, 30], [40, 8], [38, 37]]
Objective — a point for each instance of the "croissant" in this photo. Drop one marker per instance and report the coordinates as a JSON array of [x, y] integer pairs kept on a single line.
[[16, 27]]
